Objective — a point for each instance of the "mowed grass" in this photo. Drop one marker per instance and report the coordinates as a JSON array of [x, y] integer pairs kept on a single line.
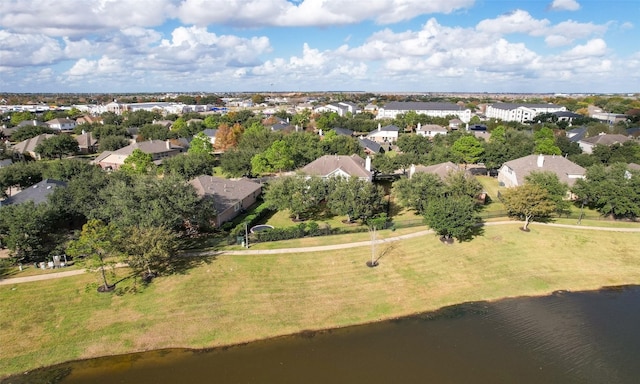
[[234, 299]]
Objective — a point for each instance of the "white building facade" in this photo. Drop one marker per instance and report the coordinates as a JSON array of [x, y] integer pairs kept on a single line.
[[435, 109], [520, 112]]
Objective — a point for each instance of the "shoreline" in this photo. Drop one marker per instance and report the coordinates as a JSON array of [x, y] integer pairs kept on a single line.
[[286, 295], [429, 315]]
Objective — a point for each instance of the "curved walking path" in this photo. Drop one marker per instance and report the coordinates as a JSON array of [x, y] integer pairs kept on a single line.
[[16, 280]]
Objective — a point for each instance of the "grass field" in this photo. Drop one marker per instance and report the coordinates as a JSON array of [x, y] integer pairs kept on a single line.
[[233, 299]]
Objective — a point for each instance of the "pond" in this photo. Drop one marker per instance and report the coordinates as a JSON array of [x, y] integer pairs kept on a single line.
[[583, 337]]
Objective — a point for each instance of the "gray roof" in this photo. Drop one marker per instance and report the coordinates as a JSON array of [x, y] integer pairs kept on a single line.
[[370, 145], [86, 140], [353, 165], [225, 192], [30, 145], [442, 169], [423, 106], [509, 106], [606, 139], [38, 193], [5, 163], [569, 114], [150, 146], [343, 131], [577, 134], [32, 123], [556, 164], [210, 132]]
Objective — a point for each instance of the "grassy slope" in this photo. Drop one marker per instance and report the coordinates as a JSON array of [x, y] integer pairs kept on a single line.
[[241, 298]]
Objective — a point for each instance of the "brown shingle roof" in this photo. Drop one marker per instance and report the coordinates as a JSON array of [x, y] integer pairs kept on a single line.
[[556, 164], [606, 139], [353, 165], [225, 192], [442, 169]]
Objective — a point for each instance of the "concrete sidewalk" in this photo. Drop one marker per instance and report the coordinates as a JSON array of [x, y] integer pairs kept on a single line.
[[25, 279]]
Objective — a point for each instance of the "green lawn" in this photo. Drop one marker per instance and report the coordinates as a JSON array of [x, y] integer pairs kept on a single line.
[[233, 299]]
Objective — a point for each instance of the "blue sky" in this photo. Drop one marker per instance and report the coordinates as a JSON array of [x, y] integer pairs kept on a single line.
[[564, 46]]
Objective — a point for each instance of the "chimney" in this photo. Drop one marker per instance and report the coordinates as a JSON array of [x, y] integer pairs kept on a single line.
[[540, 160], [419, 126], [367, 163], [168, 144], [379, 126], [412, 170]]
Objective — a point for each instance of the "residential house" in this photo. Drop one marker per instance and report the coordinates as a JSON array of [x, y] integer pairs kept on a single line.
[[343, 131], [89, 119], [370, 147], [341, 108], [157, 148], [28, 147], [435, 109], [431, 130], [62, 125], [567, 116], [576, 134], [230, 197], [211, 134], [442, 170], [340, 166], [386, 134], [32, 123], [513, 173], [38, 193], [5, 163], [87, 143], [455, 124], [520, 112], [589, 143]]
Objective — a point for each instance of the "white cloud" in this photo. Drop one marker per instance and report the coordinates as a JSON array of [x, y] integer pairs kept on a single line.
[[564, 5], [19, 50], [593, 48], [518, 21], [252, 13], [104, 65]]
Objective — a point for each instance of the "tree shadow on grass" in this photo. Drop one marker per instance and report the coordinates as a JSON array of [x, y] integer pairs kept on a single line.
[[477, 230]]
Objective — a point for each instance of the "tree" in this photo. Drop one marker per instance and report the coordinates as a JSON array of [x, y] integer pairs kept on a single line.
[[155, 132], [557, 190], [21, 175], [149, 249], [468, 149], [228, 137], [57, 146], [277, 158], [452, 217], [528, 202], [613, 190], [355, 198], [28, 230], [189, 165], [416, 192], [29, 131], [200, 144], [112, 143], [96, 243], [416, 144], [138, 162], [301, 196], [459, 184]]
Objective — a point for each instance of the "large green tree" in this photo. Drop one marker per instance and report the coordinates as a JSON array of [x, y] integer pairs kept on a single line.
[[557, 190], [468, 149], [416, 192], [452, 217], [277, 158], [300, 195], [354, 198], [613, 190], [200, 144], [98, 244], [139, 163], [528, 202], [28, 230], [149, 250], [189, 165], [57, 146]]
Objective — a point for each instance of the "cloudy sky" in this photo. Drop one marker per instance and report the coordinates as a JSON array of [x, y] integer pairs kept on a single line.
[[320, 45]]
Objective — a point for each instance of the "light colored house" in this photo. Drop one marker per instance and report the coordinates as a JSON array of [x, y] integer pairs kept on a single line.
[[341, 108], [340, 166], [211, 134], [589, 143], [442, 170], [230, 197], [89, 119], [157, 148], [62, 125], [513, 173], [28, 147], [386, 134], [435, 109], [520, 112], [431, 130]]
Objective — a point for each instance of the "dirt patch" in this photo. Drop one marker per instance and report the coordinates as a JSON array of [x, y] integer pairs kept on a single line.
[[4, 253]]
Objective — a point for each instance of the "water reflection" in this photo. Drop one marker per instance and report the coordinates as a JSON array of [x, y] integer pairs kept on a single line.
[[589, 337]]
